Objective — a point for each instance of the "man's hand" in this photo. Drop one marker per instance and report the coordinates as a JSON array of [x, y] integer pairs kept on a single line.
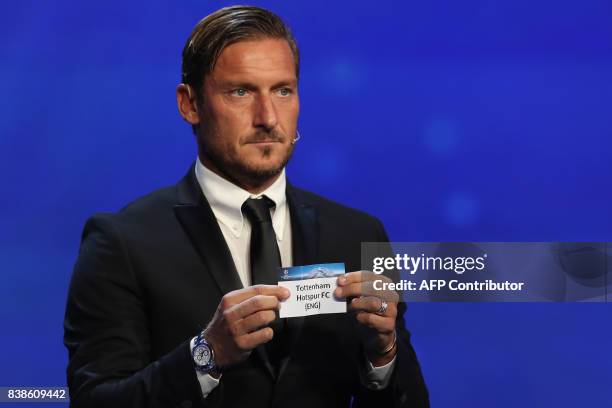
[[240, 322], [365, 302]]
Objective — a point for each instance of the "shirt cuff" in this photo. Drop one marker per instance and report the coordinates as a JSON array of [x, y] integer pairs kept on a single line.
[[207, 382], [377, 378]]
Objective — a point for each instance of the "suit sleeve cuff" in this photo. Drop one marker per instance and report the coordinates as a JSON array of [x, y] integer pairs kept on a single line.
[[377, 378]]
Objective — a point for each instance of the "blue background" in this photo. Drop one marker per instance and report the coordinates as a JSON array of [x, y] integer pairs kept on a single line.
[[450, 120]]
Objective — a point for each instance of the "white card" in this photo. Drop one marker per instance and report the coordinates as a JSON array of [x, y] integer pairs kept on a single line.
[[312, 290]]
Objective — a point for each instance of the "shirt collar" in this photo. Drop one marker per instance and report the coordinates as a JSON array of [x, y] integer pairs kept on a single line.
[[226, 199]]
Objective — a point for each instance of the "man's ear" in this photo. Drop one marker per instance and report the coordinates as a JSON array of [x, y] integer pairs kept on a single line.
[[187, 104]]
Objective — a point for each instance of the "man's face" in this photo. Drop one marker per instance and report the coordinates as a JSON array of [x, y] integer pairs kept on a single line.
[[249, 112]]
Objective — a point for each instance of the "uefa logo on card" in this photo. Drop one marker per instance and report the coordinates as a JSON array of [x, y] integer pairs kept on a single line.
[[320, 272], [285, 274]]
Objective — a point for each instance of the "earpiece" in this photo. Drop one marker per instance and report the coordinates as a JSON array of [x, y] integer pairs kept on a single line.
[[297, 137]]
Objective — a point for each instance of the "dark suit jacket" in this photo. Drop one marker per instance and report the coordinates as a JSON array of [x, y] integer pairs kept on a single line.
[[150, 278]]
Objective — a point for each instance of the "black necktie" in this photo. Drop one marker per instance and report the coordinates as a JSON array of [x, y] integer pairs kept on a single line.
[[265, 261], [265, 256]]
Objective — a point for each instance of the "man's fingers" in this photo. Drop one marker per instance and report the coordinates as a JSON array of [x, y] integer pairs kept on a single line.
[[354, 289], [358, 276], [240, 295], [250, 306], [254, 339], [371, 304], [367, 288], [382, 324], [253, 322]]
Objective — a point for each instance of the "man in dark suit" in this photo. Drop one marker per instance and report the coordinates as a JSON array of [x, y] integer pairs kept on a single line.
[[173, 300]]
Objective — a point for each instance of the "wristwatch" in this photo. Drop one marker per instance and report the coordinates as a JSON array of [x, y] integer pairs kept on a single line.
[[204, 357]]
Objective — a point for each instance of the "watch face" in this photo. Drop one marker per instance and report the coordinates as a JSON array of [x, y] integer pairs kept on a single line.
[[201, 355]]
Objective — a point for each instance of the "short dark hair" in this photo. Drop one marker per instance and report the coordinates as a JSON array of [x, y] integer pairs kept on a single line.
[[224, 27]]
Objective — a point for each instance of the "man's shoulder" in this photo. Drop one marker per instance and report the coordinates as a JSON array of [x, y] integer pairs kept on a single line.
[[160, 200], [145, 212]]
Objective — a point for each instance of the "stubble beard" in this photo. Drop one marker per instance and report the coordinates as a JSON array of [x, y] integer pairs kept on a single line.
[[238, 171]]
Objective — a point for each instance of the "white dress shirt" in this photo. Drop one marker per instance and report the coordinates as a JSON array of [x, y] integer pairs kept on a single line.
[[226, 199]]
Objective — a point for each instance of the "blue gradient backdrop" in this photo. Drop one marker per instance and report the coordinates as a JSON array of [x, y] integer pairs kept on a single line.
[[450, 120]]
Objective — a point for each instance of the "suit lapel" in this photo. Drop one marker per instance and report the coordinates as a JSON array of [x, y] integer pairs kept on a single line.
[[304, 231], [199, 222], [304, 236]]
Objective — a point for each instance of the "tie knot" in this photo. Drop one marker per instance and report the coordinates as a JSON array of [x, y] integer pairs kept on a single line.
[[258, 210]]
